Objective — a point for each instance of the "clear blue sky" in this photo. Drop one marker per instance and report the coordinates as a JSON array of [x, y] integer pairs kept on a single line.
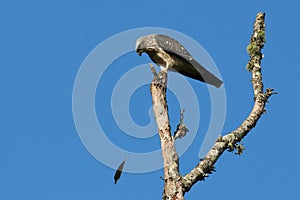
[[43, 44]]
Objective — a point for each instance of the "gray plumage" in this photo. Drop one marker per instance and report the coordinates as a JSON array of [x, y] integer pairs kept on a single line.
[[170, 54]]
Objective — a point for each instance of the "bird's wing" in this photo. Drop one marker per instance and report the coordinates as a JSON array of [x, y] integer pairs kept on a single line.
[[171, 45], [191, 67], [203, 74]]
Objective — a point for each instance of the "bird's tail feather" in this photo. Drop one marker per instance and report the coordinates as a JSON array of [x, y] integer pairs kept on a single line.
[[206, 76], [197, 71]]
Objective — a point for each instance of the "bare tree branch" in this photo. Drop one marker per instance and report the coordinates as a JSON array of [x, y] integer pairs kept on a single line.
[[175, 185], [229, 141]]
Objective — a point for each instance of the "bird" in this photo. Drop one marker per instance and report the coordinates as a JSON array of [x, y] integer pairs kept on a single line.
[[171, 55]]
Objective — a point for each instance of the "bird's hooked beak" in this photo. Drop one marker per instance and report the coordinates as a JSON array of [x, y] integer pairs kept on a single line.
[[139, 47], [139, 51]]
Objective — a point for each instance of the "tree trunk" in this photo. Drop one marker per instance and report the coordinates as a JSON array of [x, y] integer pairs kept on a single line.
[[173, 189], [175, 185]]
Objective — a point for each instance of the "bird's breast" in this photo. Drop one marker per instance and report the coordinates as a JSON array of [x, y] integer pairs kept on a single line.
[[156, 58]]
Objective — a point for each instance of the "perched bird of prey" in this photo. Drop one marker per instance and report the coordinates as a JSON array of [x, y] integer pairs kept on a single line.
[[171, 55], [119, 171]]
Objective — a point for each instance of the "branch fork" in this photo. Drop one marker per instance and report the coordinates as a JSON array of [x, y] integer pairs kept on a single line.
[[177, 185]]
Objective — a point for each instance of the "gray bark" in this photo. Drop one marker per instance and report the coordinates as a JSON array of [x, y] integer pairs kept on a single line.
[[176, 185]]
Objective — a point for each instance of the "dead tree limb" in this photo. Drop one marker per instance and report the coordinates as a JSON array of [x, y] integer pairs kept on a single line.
[[176, 185], [231, 140], [173, 187]]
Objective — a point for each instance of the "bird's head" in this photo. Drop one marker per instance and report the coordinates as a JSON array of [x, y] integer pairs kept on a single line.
[[144, 44], [139, 51], [140, 46]]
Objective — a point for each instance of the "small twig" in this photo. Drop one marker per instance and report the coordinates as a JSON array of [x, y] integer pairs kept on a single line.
[[153, 70], [181, 116], [181, 129]]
